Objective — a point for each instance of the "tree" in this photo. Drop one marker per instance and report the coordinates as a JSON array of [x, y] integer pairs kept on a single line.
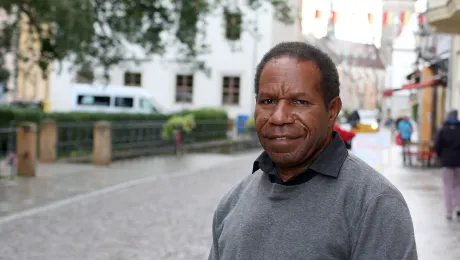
[[95, 33]]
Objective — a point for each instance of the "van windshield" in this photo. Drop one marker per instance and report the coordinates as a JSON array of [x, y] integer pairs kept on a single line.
[[147, 105]]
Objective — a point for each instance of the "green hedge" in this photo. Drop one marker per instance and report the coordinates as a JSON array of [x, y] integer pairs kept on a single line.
[[20, 115]]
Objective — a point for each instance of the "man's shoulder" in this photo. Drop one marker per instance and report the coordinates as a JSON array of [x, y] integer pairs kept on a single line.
[[232, 197], [366, 181]]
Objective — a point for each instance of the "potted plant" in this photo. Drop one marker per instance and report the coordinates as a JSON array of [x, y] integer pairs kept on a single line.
[[186, 122]]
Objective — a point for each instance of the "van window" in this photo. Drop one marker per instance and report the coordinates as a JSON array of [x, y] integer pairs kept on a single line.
[[90, 100], [124, 102], [147, 105]]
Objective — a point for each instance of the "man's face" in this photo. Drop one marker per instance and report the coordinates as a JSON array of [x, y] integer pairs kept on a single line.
[[291, 119]]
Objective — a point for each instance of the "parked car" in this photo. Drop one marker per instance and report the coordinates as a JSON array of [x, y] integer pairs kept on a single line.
[[347, 136]]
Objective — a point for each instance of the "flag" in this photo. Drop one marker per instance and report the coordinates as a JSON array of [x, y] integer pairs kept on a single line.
[[318, 14], [370, 17], [334, 17], [405, 18], [387, 18]]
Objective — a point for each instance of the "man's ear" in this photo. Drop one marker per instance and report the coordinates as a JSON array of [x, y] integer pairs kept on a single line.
[[334, 109]]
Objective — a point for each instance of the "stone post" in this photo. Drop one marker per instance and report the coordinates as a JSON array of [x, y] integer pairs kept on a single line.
[[26, 149], [102, 143], [48, 141]]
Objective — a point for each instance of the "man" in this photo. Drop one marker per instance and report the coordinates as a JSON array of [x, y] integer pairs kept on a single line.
[[307, 198], [405, 130], [447, 148]]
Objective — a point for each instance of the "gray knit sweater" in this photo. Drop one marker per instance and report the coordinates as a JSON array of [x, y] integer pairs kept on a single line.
[[358, 215]]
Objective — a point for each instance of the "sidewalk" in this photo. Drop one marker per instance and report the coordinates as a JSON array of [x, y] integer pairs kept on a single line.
[[436, 237], [59, 181]]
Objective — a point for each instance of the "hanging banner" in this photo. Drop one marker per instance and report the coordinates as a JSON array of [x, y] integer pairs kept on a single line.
[[334, 17], [318, 14], [387, 18], [370, 18], [421, 19], [404, 16]]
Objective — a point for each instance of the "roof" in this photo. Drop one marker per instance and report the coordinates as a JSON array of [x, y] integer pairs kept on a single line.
[[355, 54]]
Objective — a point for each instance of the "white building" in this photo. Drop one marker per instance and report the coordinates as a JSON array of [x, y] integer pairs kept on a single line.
[[177, 86]]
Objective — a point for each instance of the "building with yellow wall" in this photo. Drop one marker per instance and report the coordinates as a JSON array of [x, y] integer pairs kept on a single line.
[[32, 85], [444, 17]]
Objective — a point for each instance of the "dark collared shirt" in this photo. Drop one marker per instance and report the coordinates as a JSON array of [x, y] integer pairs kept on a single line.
[[328, 163]]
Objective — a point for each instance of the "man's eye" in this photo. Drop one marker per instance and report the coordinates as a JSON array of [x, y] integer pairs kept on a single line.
[[268, 101], [301, 102]]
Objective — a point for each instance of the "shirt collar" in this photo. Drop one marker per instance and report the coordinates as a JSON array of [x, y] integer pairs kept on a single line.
[[329, 162]]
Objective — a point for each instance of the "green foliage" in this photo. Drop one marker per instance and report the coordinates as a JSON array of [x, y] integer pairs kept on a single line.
[[187, 123], [95, 33], [415, 112], [251, 123], [233, 24]]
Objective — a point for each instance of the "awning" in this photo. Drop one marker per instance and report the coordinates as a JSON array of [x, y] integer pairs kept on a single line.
[[389, 92], [422, 85]]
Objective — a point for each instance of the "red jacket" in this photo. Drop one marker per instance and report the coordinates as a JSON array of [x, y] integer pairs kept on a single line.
[[346, 135]]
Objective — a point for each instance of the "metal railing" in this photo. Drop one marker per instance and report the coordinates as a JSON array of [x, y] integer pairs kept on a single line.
[[74, 139], [134, 137], [7, 149]]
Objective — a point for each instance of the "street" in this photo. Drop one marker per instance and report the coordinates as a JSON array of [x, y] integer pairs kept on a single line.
[[141, 209]]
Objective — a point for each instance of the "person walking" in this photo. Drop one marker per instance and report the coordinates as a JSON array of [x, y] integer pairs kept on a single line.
[[354, 119], [307, 197], [405, 129], [447, 147]]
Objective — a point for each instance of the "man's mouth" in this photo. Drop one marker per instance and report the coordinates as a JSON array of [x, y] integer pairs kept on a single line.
[[281, 137]]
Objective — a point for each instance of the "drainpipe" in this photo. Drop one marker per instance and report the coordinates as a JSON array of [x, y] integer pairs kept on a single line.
[[450, 76]]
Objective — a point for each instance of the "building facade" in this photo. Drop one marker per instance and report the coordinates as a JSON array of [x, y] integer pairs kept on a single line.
[[27, 82], [361, 71], [227, 82], [444, 17]]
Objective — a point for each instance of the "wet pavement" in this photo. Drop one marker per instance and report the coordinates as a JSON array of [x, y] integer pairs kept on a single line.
[[161, 207]]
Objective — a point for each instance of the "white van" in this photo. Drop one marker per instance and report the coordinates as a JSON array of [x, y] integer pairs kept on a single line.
[[112, 99]]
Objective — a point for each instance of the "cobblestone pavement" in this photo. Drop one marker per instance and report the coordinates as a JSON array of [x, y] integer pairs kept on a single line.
[[167, 215]]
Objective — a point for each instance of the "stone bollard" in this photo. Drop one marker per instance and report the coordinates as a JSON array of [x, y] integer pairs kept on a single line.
[[48, 141], [102, 143], [26, 149]]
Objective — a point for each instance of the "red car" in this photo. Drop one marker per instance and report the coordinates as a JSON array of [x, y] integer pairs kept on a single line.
[[346, 136]]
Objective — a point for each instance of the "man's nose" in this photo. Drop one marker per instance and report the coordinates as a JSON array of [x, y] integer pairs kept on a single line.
[[282, 114]]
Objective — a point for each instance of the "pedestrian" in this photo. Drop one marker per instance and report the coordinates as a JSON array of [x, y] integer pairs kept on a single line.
[[405, 129], [447, 147], [307, 197], [354, 119]]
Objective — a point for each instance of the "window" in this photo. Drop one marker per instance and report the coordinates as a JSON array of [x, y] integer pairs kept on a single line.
[[184, 88], [147, 105], [89, 100], [233, 23], [85, 76], [133, 79], [124, 102], [231, 91]]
